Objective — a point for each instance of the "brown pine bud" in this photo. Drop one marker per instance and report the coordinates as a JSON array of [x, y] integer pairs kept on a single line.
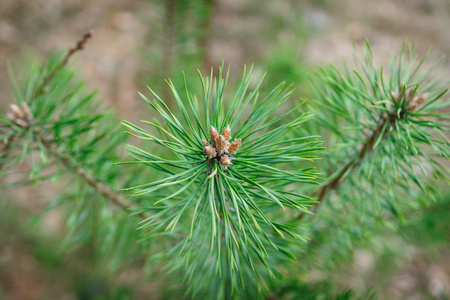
[[213, 134], [11, 116], [210, 151], [394, 96], [27, 111], [410, 94], [422, 98], [416, 102], [227, 133], [21, 123], [221, 144], [205, 143], [17, 111], [234, 147], [225, 161]]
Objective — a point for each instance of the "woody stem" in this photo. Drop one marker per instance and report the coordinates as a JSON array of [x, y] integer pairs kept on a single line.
[[366, 148]]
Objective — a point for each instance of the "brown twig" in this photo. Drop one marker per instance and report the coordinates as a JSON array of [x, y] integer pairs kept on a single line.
[[409, 102], [366, 148], [87, 176], [41, 89], [78, 47], [101, 187]]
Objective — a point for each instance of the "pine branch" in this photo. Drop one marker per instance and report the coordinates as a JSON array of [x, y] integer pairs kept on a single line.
[[367, 147], [21, 116], [401, 102], [224, 184], [87, 176], [78, 47]]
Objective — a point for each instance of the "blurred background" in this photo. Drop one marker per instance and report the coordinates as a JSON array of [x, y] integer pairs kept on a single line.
[[142, 42]]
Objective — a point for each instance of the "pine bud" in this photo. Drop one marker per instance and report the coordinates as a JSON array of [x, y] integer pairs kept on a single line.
[[225, 161], [410, 94], [422, 98], [27, 111], [234, 146], [213, 134], [221, 144], [11, 116], [417, 101], [210, 151], [21, 116], [17, 111], [21, 123], [205, 143], [227, 133], [394, 96]]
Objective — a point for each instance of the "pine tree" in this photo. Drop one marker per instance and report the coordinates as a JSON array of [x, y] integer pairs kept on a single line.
[[231, 188]]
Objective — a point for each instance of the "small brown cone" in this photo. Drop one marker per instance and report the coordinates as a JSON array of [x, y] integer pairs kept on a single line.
[[225, 161], [213, 135], [227, 133], [205, 143], [417, 101], [422, 98], [17, 111], [11, 116], [210, 151], [27, 111], [234, 147], [221, 144], [21, 123], [410, 94], [394, 96]]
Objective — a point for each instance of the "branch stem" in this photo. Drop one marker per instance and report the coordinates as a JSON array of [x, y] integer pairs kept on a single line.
[[87, 176], [46, 141], [78, 47], [366, 147]]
